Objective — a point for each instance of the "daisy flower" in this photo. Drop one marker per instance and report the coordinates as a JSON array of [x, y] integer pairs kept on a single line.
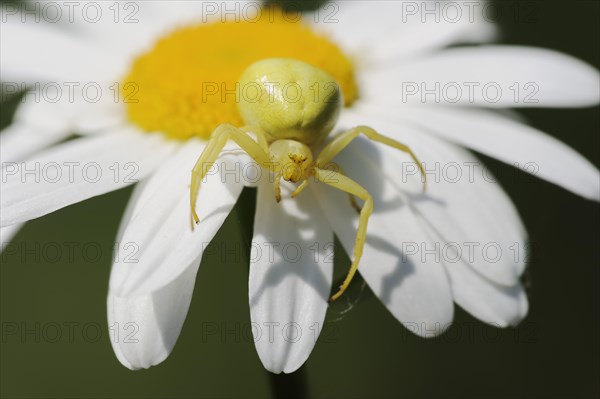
[[147, 95]]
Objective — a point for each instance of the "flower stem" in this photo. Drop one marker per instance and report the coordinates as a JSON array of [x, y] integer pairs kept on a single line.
[[290, 386]]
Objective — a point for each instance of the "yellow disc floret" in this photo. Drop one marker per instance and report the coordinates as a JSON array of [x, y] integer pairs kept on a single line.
[[187, 84]]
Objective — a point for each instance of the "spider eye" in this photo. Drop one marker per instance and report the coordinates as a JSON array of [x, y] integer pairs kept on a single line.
[[289, 99], [297, 158]]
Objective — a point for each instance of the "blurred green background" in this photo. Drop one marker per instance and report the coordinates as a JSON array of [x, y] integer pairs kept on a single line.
[[365, 354]]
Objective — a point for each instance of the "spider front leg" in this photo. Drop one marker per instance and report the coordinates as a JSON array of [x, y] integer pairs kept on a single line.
[[299, 189], [344, 139], [294, 194], [341, 182], [223, 133], [261, 139], [353, 203], [277, 185]]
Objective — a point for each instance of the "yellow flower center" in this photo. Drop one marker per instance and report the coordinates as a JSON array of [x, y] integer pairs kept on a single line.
[[186, 85]]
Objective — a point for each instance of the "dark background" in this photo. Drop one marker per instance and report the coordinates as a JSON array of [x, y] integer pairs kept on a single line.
[[554, 353]]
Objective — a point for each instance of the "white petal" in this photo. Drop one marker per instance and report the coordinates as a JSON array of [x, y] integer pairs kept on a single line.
[[78, 170], [514, 143], [93, 114], [494, 304], [43, 111], [134, 22], [146, 22], [154, 288], [64, 112], [464, 205], [498, 305], [40, 124], [159, 223], [398, 30], [121, 311], [19, 140], [491, 303], [490, 76], [170, 14], [146, 327], [135, 203], [413, 287], [290, 277], [42, 52], [7, 233]]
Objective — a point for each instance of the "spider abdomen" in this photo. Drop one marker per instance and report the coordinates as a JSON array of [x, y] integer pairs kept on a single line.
[[289, 99]]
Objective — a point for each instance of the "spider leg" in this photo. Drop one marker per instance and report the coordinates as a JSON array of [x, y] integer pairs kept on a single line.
[[344, 139], [343, 183], [211, 152], [260, 136], [300, 188], [353, 202], [278, 187], [295, 193]]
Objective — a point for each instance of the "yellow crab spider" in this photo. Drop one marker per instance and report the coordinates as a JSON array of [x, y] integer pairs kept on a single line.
[[290, 105]]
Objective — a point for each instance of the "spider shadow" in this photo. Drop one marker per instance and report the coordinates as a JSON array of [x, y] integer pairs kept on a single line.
[[304, 231], [404, 267], [282, 269], [370, 177]]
